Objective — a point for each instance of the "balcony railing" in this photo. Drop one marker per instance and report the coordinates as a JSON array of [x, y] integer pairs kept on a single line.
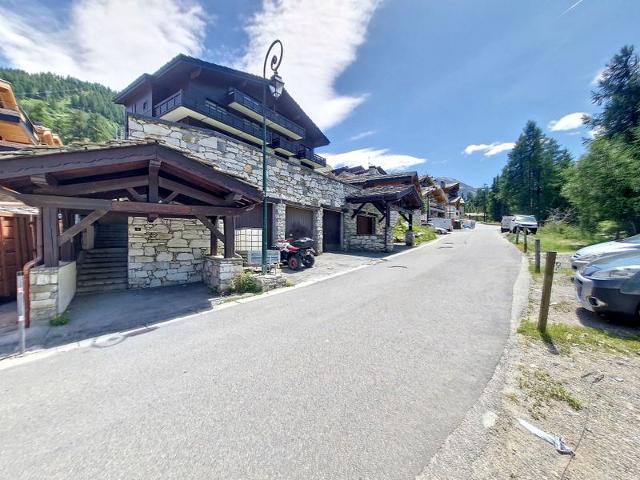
[[246, 101], [307, 153], [198, 103]]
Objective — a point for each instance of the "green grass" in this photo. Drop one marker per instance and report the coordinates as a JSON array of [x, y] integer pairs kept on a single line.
[[422, 234], [557, 237], [245, 283], [541, 389], [59, 320], [566, 336]]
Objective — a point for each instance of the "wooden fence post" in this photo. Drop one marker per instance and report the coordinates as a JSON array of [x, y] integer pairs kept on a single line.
[[517, 236], [526, 244], [549, 268], [537, 247]]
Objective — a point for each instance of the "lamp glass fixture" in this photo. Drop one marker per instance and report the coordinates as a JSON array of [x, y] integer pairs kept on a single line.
[[276, 85]]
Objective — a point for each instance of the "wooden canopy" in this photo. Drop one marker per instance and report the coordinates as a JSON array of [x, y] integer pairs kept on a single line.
[[145, 179]]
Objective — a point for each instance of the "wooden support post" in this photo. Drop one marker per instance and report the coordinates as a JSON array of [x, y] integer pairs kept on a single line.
[[537, 249], [517, 236], [526, 244], [229, 236], [67, 253], [51, 251], [549, 268], [154, 170], [411, 222]]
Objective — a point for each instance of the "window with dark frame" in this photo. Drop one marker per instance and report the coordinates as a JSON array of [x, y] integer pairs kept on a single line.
[[365, 225]]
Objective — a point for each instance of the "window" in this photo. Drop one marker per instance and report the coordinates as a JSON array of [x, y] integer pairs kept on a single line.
[[365, 225], [144, 106]]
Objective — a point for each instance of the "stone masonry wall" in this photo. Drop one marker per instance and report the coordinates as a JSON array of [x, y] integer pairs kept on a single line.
[[44, 293], [288, 179], [167, 251]]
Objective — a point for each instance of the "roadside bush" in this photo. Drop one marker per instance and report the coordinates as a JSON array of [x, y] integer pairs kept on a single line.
[[59, 320], [245, 283]]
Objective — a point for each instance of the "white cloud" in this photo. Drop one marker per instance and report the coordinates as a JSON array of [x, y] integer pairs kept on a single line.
[[489, 149], [321, 39], [378, 157], [361, 135], [571, 121], [106, 41]]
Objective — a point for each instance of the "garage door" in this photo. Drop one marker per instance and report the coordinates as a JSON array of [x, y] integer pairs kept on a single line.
[[299, 223], [331, 230]]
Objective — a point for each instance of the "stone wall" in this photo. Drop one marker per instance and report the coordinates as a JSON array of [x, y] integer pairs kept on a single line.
[[218, 272], [167, 251], [381, 241], [51, 290], [288, 179]]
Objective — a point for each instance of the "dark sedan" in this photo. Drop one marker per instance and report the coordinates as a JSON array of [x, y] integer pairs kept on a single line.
[[611, 284]]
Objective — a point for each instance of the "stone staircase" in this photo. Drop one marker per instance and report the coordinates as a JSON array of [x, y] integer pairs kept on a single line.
[[105, 267]]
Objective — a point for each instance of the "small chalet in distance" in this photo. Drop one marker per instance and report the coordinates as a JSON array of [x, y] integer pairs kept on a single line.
[[16, 130]]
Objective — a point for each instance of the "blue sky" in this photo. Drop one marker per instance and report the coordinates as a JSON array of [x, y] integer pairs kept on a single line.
[[442, 87]]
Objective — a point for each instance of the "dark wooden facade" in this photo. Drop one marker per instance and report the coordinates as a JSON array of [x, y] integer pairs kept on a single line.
[[17, 247]]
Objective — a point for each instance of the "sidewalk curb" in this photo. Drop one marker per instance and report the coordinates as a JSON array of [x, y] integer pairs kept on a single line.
[[41, 353], [454, 459]]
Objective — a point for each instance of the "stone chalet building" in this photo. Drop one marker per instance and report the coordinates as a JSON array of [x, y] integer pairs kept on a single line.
[[180, 199]]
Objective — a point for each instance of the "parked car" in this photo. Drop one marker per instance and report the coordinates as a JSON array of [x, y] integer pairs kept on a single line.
[[513, 223], [593, 252], [611, 284]]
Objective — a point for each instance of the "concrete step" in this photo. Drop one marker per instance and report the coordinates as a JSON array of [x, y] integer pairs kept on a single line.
[[104, 260], [116, 255], [102, 281], [101, 270], [122, 273], [101, 288], [107, 250]]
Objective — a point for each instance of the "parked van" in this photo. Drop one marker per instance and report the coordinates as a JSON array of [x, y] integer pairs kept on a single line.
[[513, 223]]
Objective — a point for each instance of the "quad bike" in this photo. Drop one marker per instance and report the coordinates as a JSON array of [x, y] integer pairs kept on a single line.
[[296, 253]]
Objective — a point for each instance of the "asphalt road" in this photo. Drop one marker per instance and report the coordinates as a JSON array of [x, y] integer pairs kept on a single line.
[[362, 376]]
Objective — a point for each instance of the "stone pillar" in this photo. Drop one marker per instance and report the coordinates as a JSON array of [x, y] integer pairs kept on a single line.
[[317, 229], [51, 290], [279, 221], [219, 272]]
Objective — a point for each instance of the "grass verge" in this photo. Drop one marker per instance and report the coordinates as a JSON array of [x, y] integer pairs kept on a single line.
[[595, 339]]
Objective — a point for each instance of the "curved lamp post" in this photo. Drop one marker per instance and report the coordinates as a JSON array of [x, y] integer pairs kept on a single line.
[[276, 86]]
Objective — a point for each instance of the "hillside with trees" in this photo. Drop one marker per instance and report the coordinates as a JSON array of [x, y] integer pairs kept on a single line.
[[601, 190], [75, 110]]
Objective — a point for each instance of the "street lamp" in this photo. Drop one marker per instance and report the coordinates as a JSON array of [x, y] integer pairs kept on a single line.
[[276, 87]]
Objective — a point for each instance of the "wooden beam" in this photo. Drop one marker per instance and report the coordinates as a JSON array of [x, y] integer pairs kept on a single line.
[[25, 166], [174, 209], [229, 236], [135, 195], [192, 192], [79, 203], [85, 188], [404, 216], [154, 170], [206, 173], [72, 231], [357, 211], [43, 179], [169, 198], [51, 252], [212, 227]]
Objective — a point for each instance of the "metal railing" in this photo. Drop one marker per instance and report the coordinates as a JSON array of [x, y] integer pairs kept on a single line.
[[197, 102], [306, 152], [245, 100]]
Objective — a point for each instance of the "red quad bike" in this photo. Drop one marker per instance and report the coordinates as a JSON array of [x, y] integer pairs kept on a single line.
[[296, 253]]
